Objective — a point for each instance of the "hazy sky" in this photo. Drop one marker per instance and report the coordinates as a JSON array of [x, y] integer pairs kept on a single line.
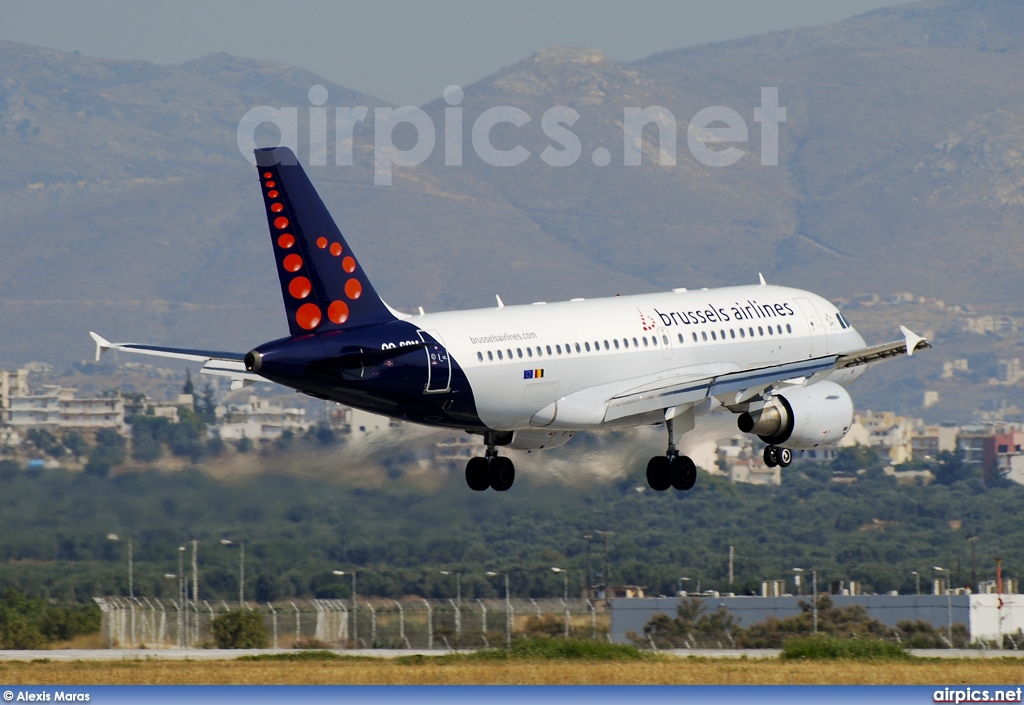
[[403, 51]]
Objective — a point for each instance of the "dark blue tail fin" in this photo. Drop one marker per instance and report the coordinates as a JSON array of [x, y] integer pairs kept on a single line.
[[323, 286]]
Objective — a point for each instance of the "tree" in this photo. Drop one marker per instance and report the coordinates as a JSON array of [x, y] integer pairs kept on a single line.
[[75, 443], [188, 387], [206, 406], [108, 453], [949, 468], [856, 458], [240, 629]]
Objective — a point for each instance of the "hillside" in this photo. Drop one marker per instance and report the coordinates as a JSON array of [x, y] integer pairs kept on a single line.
[[128, 209]]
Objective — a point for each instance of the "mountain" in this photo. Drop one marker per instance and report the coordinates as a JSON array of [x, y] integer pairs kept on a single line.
[[128, 208]]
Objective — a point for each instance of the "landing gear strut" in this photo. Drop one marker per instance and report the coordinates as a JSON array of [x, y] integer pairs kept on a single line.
[[775, 456], [492, 470], [671, 469]]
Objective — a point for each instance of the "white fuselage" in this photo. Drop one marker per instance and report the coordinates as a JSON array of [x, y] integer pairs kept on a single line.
[[521, 359]]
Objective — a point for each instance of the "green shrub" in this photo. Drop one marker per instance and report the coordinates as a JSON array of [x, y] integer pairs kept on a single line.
[[240, 629], [545, 649], [830, 648]]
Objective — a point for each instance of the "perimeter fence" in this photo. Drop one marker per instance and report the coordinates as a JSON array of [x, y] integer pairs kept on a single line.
[[369, 623]]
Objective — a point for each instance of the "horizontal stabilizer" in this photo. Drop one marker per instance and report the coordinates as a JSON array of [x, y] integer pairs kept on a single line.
[[215, 362]]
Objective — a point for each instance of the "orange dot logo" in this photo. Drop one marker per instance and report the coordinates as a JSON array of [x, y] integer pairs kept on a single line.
[[281, 222], [353, 289], [321, 242], [285, 241], [308, 316], [335, 248], [292, 263], [338, 312], [267, 175], [348, 264], [277, 208], [271, 184], [273, 194], [300, 287]]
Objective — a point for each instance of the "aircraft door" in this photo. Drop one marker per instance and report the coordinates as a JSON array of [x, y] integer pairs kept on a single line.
[[818, 338], [439, 365]]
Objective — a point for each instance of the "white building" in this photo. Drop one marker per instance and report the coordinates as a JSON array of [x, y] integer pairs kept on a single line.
[[260, 419], [59, 407]]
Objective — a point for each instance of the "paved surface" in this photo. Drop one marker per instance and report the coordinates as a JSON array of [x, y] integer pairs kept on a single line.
[[228, 654]]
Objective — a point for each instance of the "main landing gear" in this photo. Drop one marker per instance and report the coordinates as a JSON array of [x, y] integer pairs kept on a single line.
[[671, 469], [492, 470], [775, 456]]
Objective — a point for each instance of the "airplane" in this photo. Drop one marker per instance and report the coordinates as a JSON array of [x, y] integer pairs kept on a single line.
[[529, 377]]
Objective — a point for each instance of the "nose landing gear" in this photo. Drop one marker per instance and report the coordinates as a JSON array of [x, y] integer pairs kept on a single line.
[[492, 470], [671, 469], [775, 456]]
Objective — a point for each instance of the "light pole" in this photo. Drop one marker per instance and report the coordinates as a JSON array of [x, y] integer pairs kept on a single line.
[[565, 595], [458, 605], [814, 596], [973, 539], [355, 606], [917, 582], [949, 605], [458, 584], [508, 609], [183, 596], [241, 569], [131, 564]]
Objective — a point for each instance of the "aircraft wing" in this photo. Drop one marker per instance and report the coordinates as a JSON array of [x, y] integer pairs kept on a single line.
[[224, 364], [734, 386]]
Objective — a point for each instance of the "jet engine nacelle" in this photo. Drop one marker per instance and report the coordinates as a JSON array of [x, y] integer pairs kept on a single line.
[[539, 439], [802, 417]]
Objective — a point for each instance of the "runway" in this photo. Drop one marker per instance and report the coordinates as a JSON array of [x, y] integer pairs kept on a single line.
[[229, 654]]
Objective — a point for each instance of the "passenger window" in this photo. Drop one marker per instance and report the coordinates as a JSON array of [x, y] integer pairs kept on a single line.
[[722, 333], [606, 346], [743, 333], [625, 343], [509, 351], [587, 345], [732, 333], [704, 335], [480, 356], [760, 331], [558, 349], [713, 336], [499, 354], [578, 347], [779, 329], [490, 355], [635, 343], [770, 331], [529, 352], [664, 339], [548, 348], [616, 341], [789, 328], [645, 341], [695, 337], [751, 332], [681, 339], [520, 351]]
